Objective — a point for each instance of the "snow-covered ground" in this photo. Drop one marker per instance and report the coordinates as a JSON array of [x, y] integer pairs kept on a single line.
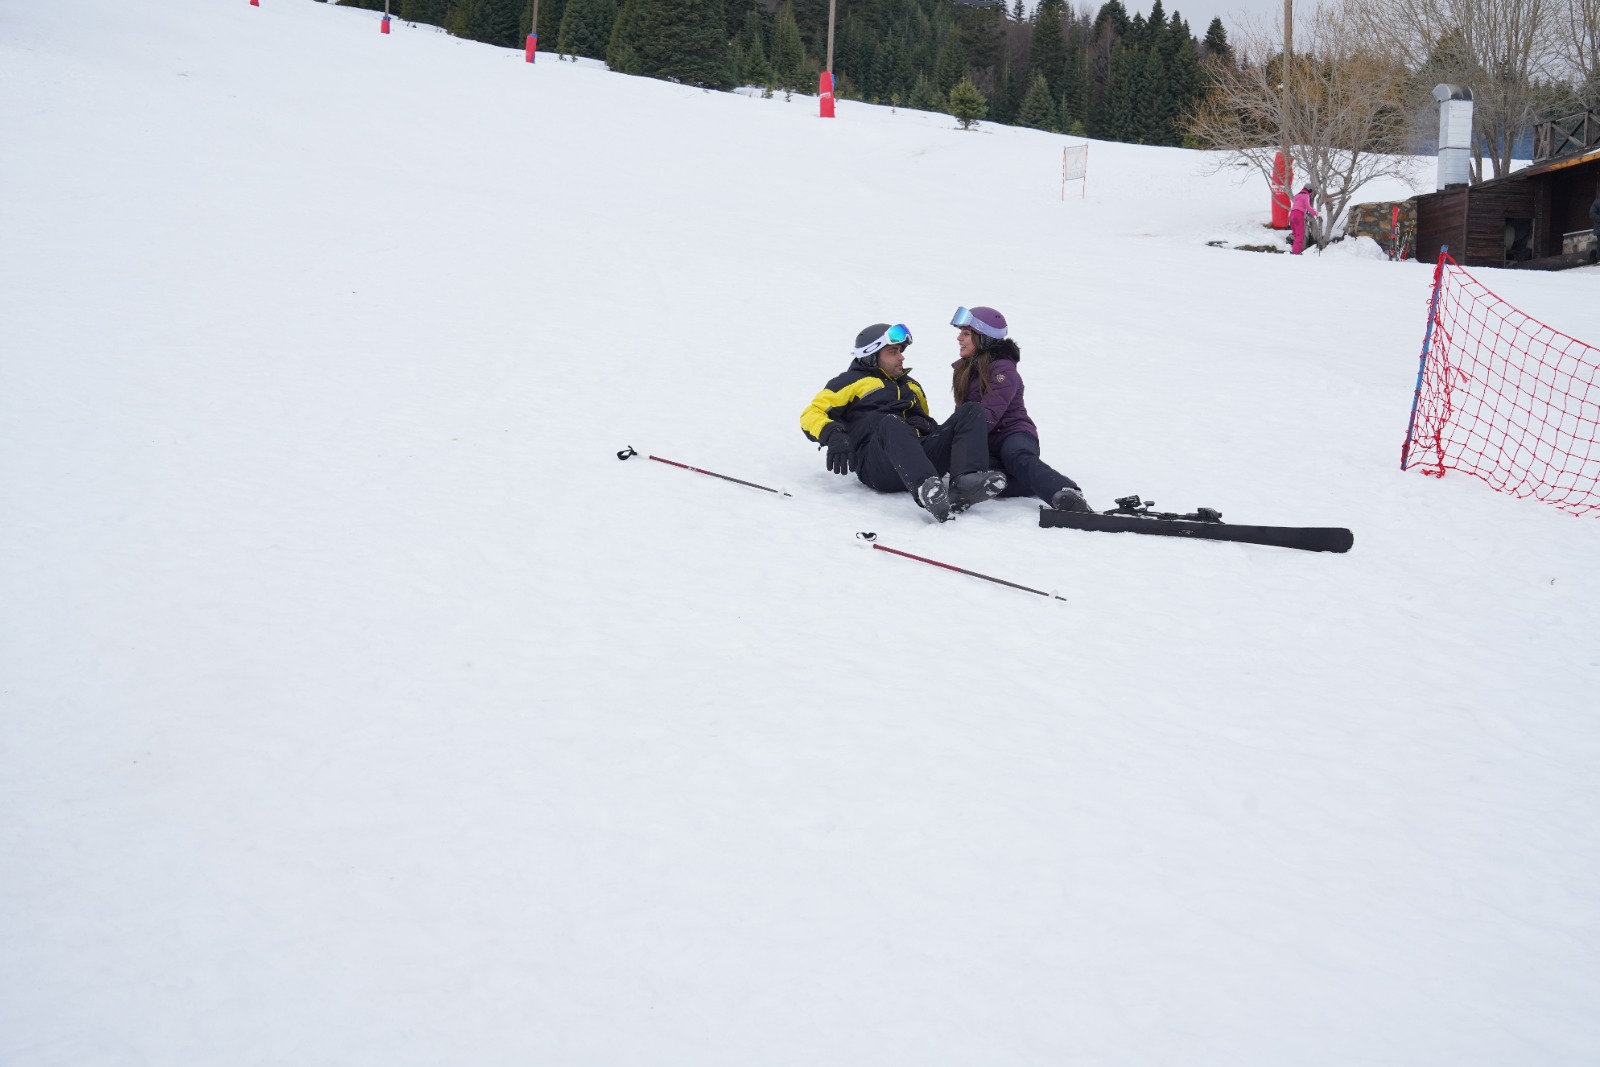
[[358, 707]]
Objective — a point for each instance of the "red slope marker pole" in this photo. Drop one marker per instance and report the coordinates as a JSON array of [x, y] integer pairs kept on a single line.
[[867, 535]]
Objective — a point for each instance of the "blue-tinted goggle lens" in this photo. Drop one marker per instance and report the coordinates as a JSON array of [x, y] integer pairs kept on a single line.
[[965, 318], [894, 335]]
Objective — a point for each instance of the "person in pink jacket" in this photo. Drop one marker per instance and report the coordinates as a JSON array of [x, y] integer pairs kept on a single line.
[[1299, 208]]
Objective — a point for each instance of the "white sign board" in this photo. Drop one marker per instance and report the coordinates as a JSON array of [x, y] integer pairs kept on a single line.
[[1075, 167]]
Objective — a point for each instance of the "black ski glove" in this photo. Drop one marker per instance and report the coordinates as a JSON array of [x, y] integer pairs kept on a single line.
[[841, 455], [922, 424]]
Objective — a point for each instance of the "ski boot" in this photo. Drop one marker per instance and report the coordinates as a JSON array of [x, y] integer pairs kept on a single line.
[[1070, 499], [933, 495], [974, 488]]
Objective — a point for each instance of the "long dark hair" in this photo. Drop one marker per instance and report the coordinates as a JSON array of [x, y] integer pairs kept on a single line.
[[978, 366]]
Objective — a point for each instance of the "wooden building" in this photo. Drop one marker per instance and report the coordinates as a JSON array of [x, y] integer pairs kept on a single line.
[[1520, 220]]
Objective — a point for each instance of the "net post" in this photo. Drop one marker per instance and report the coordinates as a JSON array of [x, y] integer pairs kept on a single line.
[[1422, 362]]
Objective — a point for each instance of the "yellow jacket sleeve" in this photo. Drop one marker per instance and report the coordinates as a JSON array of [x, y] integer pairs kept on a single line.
[[815, 418]]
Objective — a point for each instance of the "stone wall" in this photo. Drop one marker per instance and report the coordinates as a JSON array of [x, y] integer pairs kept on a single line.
[[1377, 222]]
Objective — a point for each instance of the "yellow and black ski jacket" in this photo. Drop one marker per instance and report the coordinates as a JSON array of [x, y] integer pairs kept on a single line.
[[858, 395]]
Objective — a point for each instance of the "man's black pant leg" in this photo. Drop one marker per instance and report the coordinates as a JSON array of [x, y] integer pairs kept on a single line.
[[961, 445], [893, 460]]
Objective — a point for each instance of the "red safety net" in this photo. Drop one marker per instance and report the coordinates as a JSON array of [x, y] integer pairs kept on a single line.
[[1505, 398]]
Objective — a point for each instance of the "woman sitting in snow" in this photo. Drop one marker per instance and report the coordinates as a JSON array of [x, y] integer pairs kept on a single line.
[[987, 374]]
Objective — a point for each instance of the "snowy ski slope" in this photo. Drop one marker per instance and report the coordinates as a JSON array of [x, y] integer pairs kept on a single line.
[[358, 707]]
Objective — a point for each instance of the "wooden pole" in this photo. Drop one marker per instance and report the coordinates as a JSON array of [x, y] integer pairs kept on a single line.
[[1288, 55], [831, 5]]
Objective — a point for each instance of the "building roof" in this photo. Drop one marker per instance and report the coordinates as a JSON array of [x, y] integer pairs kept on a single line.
[[1545, 166]]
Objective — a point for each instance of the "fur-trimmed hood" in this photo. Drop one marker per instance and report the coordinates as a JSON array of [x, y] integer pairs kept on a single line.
[[1006, 349]]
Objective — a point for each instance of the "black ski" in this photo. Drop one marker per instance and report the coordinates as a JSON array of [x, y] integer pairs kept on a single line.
[[1131, 515]]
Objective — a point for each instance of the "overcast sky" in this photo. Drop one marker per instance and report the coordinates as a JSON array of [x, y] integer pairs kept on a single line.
[[1199, 13]]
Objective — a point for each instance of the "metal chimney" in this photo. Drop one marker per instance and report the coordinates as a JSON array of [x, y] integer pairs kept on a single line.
[[1455, 134]]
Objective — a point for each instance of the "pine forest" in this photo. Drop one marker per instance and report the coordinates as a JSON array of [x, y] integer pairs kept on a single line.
[[1104, 74]]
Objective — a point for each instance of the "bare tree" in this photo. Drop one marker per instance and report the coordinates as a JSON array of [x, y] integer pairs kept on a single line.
[[1506, 51], [1344, 119], [1580, 39]]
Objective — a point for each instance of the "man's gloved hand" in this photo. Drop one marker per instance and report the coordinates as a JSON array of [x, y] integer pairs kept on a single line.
[[922, 424], [841, 453]]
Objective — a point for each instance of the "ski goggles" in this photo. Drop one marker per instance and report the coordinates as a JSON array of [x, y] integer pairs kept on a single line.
[[894, 335], [964, 317]]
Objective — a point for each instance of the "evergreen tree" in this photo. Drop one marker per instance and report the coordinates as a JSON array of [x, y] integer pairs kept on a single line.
[[882, 76], [1137, 35], [903, 72], [1112, 14], [852, 63], [1047, 50], [983, 33], [621, 56], [756, 70], [788, 50], [1117, 113], [433, 12], [1038, 109], [491, 21], [753, 33], [1075, 89], [1216, 42], [737, 12], [967, 105], [1185, 84], [951, 66], [586, 27], [1149, 97], [924, 97], [1007, 99], [677, 40], [1156, 24]]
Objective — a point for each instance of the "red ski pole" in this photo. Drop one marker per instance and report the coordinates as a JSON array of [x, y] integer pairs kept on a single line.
[[867, 535], [629, 451]]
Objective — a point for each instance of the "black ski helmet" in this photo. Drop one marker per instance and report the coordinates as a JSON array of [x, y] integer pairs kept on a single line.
[[876, 337]]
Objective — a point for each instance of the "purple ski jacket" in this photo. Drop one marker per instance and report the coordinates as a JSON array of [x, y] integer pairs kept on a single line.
[[1003, 408]]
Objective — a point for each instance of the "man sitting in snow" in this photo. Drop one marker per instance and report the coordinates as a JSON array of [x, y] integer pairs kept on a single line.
[[873, 419]]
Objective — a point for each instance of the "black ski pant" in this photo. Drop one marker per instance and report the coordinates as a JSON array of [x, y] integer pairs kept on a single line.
[[1026, 473], [894, 459]]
